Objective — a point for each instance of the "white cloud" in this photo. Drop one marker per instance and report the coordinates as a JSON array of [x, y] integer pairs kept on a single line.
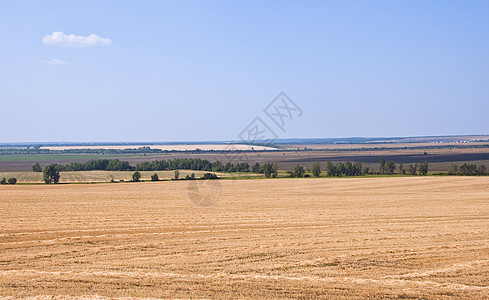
[[58, 38], [54, 61]]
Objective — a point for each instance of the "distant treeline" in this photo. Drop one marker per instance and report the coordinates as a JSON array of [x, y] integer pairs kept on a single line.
[[356, 169], [192, 164], [91, 165], [468, 170], [345, 169], [156, 165]]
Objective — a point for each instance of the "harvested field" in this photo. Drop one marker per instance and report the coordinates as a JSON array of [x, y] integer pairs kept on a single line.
[[423, 237]]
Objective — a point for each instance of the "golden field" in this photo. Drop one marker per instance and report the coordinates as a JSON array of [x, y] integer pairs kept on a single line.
[[406, 237]]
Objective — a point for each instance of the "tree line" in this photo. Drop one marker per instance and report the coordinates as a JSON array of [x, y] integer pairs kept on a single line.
[[343, 169], [91, 165], [390, 167], [468, 170], [196, 164]]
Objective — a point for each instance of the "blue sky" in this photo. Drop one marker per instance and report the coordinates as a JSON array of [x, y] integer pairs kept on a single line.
[[203, 70]]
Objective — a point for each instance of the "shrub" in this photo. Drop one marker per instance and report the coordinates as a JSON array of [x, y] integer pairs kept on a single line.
[[12, 180], [155, 177], [136, 176], [190, 177], [3, 181], [209, 176]]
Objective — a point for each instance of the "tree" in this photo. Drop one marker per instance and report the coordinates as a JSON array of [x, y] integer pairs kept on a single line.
[[117, 165], [413, 169], [12, 180], [155, 177], [136, 176], [3, 181], [316, 169], [401, 169], [391, 167], [298, 171], [382, 166], [36, 168], [177, 174], [423, 168], [274, 170], [482, 170], [51, 174], [453, 170], [357, 169], [330, 169], [256, 168], [366, 171], [268, 170], [468, 169]]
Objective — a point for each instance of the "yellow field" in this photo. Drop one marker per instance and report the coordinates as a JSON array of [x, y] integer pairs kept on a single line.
[[420, 237]]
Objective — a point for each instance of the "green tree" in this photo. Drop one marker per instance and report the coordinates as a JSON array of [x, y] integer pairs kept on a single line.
[[423, 168], [3, 181], [413, 169], [390, 167], [256, 168], [51, 174], [12, 180], [453, 170], [468, 169], [401, 169], [177, 175], [330, 169], [36, 168], [155, 177], [366, 171], [482, 170], [274, 170], [316, 169], [136, 176], [268, 170], [382, 166], [299, 171]]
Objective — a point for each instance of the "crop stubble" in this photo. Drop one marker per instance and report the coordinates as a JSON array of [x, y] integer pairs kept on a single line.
[[287, 238]]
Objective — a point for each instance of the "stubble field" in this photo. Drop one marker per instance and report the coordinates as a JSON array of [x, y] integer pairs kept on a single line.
[[408, 237]]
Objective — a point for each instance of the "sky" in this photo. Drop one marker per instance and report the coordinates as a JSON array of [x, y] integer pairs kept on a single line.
[[143, 71]]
